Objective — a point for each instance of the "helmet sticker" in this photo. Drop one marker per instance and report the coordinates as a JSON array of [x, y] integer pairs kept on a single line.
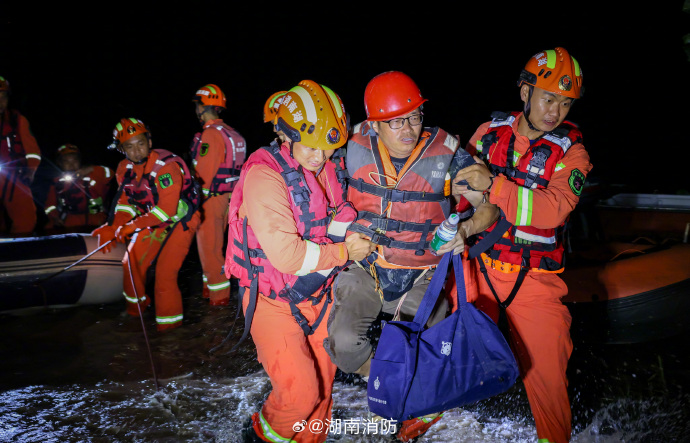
[[131, 130], [333, 136], [565, 83]]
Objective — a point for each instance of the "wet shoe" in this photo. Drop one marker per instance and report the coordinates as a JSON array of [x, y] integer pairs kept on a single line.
[[413, 428]]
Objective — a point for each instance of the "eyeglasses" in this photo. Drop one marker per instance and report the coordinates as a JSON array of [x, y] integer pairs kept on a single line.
[[413, 120]]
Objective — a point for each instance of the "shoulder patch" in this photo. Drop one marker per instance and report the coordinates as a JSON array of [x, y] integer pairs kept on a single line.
[[576, 181], [165, 180], [204, 149]]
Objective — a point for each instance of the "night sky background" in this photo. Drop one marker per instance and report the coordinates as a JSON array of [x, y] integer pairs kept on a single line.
[[74, 74]]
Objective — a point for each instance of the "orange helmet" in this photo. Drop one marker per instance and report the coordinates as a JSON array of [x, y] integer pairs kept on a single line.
[[210, 95], [314, 115], [271, 106], [390, 95], [4, 84], [556, 71], [67, 149], [127, 128]]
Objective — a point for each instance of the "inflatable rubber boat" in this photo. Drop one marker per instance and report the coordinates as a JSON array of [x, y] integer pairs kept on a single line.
[[628, 275], [32, 272]]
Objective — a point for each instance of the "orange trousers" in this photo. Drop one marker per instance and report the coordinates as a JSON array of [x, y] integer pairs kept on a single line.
[[209, 240], [143, 248], [18, 202], [540, 339], [300, 370]]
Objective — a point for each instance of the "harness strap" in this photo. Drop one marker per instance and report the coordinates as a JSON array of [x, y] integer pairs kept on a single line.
[[492, 237], [503, 324], [383, 240], [390, 224], [302, 321], [395, 195]]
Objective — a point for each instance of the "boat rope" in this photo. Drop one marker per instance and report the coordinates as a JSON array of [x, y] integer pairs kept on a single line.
[[141, 317]]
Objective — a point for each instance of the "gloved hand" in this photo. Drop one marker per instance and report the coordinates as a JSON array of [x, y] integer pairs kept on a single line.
[[105, 234], [124, 232]]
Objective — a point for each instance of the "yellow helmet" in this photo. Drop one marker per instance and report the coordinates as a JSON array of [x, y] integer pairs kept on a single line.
[[314, 115]]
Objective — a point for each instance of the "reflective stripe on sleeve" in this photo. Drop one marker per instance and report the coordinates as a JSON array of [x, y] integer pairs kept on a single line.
[[524, 209], [311, 258], [126, 208], [158, 212]]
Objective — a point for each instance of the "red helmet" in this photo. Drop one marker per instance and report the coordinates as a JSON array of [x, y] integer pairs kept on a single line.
[[210, 95], [390, 95], [554, 70], [127, 128]]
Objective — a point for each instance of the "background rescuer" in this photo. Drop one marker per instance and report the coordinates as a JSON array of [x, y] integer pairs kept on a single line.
[[218, 152], [77, 198], [158, 200], [19, 159]]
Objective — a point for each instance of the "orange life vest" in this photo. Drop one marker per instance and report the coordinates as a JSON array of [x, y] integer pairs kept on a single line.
[[400, 213]]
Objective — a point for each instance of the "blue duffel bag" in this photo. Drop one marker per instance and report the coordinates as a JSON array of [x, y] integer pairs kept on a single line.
[[460, 360]]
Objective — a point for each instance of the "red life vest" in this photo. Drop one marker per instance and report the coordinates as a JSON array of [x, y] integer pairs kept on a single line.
[[229, 170], [73, 196], [12, 153], [540, 248], [313, 212], [143, 193], [417, 201]]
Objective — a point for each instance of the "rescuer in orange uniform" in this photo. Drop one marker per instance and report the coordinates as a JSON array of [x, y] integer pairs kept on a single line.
[[76, 200], [157, 204], [218, 153], [399, 182], [537, 166], [19, 159], [286, 242]]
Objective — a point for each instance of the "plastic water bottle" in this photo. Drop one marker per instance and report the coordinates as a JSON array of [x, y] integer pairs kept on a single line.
[[444, 233]]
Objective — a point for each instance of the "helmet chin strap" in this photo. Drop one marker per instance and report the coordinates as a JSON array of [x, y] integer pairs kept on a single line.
[[527, 108]]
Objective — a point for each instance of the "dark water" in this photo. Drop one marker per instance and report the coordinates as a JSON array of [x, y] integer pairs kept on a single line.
[[84, 374]]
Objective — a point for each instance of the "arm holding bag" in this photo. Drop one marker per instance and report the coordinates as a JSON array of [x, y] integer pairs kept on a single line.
[[458, 361]]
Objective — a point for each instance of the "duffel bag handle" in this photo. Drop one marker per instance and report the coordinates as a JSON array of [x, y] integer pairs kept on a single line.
[[435, 288]]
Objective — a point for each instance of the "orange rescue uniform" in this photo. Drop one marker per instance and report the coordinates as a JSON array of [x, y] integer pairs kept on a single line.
[[300, 370], [17, 199], [214, 212], [145, 245], [539, 322]]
